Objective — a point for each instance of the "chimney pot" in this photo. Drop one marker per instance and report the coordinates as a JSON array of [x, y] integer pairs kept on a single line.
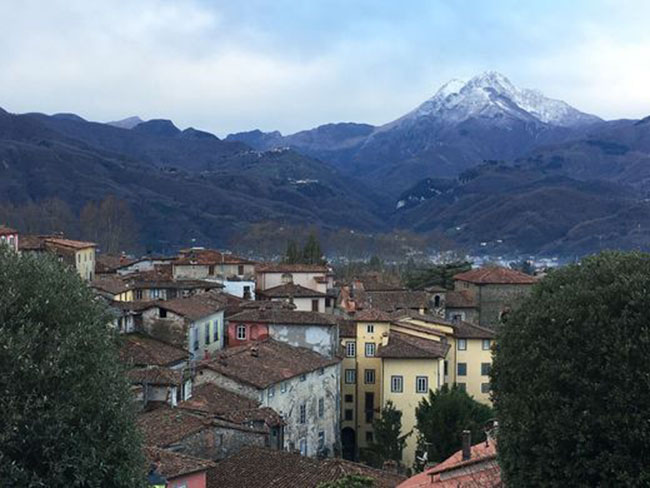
[[467, 445]]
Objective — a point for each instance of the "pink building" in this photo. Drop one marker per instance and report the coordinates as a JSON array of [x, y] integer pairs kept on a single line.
[[179, 470], [9, 236]]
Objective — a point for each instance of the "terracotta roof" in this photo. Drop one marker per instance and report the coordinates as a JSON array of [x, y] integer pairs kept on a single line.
[[140, 350], [208, 257], [108, 263], [155, 375], [454, 472], [210, 399], [265, 363], [261, 414], [290, 290], [69, 243], [7, 230], [460, 299], [347, 328], [389, 301], [173, 464], [165, 425], [195, 307], [465, 330], [258, 467], [372, 315], [291, 268], [110, 283], [282, 316], [405, 346], [31, 242], [495, 275]]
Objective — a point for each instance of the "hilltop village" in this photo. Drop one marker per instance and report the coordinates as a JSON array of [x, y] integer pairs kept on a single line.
[[246, 371]]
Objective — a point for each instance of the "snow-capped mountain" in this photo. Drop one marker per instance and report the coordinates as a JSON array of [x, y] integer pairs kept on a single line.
[[492, 95]]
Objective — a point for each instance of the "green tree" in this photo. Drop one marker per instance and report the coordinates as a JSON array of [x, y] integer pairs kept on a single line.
[[388, 442], [67, 414], [438, 275], [442, 417], [349, 481], [292, 255], [571, 377], [375, 263], [312, 253]]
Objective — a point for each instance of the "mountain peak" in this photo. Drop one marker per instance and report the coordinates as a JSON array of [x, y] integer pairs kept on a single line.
[[128, 123]]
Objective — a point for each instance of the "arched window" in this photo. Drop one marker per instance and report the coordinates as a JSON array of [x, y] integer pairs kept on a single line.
[[436, 301]]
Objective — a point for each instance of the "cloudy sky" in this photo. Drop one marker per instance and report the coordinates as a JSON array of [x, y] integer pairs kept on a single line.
[[234, 65]]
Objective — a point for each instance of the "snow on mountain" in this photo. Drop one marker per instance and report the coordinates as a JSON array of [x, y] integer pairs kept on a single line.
[[492, 95], [128, 123]]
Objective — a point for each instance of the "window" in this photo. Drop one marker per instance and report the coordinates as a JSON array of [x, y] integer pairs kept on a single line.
[[349, 414], [350, 349], [207, 332], [195, 334], [162, 313], [369, 437], [458, 317], [211, 269], [485, 387], [350, 376], [247, 293], [240, 269], [321, 408], [303, 447], [462, 386], [328, 302], [283, 387], [462, 344], [303, 413], [155, 293], [370, 329], [321, 371], [138, 294], [487, 344], [303, 377], [446, 367], [349, 398], [436, 301], [215, 337], [369, 377], [485, 369], [314, 305], [370, 349], [321, 440], [397, 384], [241, 332], [271, 391], [421, 384], [462, 369]]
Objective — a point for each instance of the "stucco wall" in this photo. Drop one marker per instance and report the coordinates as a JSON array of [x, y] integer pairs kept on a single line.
[[193, 480], [321, 339], [308, 280]]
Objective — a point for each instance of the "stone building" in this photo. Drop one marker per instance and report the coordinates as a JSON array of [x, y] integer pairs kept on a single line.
[[299, 384]]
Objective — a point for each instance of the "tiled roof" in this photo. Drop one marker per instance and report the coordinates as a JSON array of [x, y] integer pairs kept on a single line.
[[165, 425], [6, 230], [208, 257], [69, 243], [389, 301], [267, 362], [173, 464], [258, 467], [347, 328], [465, 330], [481, 469], [140, 350], [290, 290], [495, 275], [372, 315], [405, 346], [262, 414], [110, 283], [281, 316], [195, 307], [460, 299], [31, 242], [210, 399], [108, 263], [155, 375], [291, 268]]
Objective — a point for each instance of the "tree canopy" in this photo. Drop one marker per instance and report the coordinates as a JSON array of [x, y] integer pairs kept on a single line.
[[443, 416], [311, 252], [571, 377], [348, 481], [437, 275], [67, 413], [388, 442]]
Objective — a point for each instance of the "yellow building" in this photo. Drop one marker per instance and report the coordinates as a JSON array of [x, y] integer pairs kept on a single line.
[[401, 360]]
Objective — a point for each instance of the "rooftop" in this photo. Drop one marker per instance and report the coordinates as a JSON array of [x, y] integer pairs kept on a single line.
[[69, 243], [405, 346], [7, 230], [283, 316], [210, 399], [258, 467], [141, 350], [290, 290], [194, 307], [495, 275], [389, 301], [209, 257], [165, 425], [173, 464], [291, 268], [460, 299], [372, 315], [264, 363], [155, 375], [108, 263]]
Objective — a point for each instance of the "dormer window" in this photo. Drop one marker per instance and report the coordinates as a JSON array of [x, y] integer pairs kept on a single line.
[[436, 301], [287, 278]]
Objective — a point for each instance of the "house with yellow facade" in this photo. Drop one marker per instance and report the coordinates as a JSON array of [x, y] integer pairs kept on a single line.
[[78, 254], [400, 360]]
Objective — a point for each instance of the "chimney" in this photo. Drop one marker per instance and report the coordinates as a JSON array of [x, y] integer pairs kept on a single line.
[[254, 351], [384, 339], [467, 445]]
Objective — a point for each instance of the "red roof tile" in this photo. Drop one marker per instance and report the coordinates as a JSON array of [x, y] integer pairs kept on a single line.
[[7, 231], [496, 275], [291, 268], [209, 257], [68, 243], [290, 290], [405, 346], [165, 425], [140, 350], [155, 375], [372, 315], [173, 464], [281, 316]]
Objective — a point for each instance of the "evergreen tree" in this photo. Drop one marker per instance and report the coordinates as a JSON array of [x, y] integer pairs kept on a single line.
[[388, 442], [571, 377], [67, 415], [292, 255], [442, 417], [312, 253], [349, 481]]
